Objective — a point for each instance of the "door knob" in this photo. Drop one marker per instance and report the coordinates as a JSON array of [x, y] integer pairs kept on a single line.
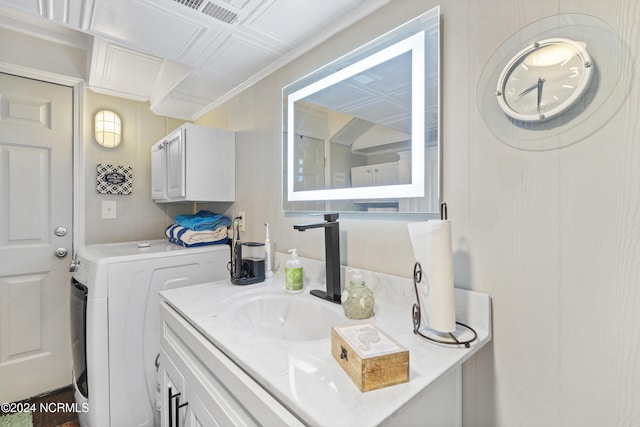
[[60, 231], [61, 252]]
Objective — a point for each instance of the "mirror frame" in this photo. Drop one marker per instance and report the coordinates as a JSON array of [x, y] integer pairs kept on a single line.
[[409, 37]]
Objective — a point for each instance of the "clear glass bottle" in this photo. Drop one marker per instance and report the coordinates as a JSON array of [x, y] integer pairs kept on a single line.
[[357, 299]]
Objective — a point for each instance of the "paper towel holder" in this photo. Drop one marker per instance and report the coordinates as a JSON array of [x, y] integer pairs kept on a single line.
[[435, 336]]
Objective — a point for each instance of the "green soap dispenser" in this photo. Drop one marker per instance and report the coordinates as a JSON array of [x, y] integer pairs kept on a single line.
[[294, 275], [357, 299]]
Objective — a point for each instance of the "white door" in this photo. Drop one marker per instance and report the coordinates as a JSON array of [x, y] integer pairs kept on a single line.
[[309, 167], [36, 134]]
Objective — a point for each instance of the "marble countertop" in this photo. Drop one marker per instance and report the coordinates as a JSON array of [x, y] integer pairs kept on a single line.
[[303, 375]]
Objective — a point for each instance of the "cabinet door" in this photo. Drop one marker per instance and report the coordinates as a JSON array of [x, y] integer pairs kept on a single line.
[[376, 174], [196, 413], [158, 172], [361, 176], [176, 186], [172, 388], [385, 173]]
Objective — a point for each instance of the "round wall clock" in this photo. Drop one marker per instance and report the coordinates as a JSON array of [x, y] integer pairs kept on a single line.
[[544, 79], [554, 82]]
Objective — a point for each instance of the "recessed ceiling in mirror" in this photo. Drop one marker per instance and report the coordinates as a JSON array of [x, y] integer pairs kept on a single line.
[[344, 96], [378, 95], [361, 134]]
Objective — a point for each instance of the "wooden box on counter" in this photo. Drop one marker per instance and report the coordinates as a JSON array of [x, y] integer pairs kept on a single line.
[[372, 359]]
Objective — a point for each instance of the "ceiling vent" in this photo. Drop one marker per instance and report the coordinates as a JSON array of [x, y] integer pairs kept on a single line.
[[193, 4], [220, 13], [210, 9]]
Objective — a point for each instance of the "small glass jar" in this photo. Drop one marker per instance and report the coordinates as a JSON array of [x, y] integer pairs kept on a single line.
[[357, 299]]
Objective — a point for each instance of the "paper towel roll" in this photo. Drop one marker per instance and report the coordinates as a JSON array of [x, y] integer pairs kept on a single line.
[[431, 241]]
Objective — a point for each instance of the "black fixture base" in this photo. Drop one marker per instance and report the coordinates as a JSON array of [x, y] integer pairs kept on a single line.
[[246, 280], [466, 335], [322, 294]]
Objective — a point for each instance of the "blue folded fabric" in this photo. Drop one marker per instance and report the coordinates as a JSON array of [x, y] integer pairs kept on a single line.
[[203, 220]]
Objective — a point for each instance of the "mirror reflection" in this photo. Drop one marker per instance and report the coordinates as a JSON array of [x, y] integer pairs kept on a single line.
[[361, 134]]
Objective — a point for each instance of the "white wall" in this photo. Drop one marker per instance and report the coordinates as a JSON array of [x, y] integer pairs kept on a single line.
[[553, 236], [22, 50], [138, 218]]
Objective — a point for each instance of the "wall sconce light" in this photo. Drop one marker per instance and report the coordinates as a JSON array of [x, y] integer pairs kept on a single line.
[[108, 129]]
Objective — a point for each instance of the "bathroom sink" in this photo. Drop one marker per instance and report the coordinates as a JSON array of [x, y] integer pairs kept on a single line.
[[290, 317]]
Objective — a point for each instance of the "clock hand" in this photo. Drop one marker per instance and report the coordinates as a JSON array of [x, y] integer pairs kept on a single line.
[[539, 86], [526, 91]]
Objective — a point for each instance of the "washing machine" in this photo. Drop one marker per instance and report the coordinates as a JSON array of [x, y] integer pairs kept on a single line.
[[115, 323]]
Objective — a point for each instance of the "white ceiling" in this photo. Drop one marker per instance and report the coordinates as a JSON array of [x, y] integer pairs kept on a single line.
[[184, 56]]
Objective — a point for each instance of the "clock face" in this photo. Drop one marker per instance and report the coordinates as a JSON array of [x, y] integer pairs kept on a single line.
[[544, 80]]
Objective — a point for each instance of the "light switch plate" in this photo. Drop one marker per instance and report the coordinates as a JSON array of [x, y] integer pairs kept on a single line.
[[108, 209]]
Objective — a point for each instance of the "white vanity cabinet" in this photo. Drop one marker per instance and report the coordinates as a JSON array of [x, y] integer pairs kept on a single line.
[[243, 376], [207, 388], [194, 164], [374, 175], [183, 407]]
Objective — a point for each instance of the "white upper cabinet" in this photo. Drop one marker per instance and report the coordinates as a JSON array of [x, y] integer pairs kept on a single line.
[[194, 164], [375, 175]]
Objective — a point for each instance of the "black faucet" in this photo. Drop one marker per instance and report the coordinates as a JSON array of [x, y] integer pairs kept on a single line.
[[331, 254]]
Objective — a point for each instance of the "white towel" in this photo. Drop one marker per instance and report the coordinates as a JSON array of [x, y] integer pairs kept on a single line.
[[431, 242]]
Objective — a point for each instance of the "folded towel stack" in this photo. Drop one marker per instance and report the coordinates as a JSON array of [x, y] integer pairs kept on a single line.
[[203, 228], [203, 220]]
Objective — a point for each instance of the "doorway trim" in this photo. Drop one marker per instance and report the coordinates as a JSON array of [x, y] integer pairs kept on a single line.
[[78, 85]]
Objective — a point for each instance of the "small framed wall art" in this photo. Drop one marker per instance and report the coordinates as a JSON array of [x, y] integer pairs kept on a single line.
[[114, 179]]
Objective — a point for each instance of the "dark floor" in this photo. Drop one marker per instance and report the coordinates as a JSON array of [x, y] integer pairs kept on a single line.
[[56, 415]]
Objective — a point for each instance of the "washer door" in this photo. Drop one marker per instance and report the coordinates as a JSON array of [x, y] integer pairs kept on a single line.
[[79, 335]]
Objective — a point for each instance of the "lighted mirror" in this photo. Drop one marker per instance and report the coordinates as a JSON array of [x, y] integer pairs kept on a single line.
[[362, 133]]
